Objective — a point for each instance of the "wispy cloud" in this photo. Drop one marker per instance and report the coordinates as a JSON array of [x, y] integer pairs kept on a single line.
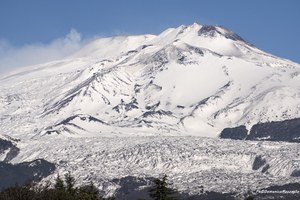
[[12, 57]]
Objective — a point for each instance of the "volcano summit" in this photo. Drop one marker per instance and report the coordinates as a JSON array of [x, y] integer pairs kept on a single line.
[[137, 106]]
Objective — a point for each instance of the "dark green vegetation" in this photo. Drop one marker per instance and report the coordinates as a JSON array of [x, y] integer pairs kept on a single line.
[[62, 190], [159, 189]]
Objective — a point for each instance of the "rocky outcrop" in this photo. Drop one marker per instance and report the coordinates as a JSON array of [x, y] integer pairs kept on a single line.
[[286, 131], [236, 133], [22, 172], [8, 150]]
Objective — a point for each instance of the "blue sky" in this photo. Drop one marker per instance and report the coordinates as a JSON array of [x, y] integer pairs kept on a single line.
[[45, 26]]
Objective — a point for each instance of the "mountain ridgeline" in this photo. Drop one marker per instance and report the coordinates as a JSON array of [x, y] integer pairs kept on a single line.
[[287, 131], [190, 80], [143, 105]]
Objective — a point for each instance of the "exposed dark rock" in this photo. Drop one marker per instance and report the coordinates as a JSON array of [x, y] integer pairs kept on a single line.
[[126, 106], [287, 187], [231, 35], [135, 188], [265, 168], [132, 187], [60, 104], [203, 101], [152, 107], [295, 173], [132, 51], [142, 123], [196, 50], [157, 60], [159, 112], [52, 132], [137, 88], [288, 131], [71, 94], [236, 133], [23, 172], [212, 31], [13, 152], [8, 145], [258, 162], [5, 144], [63, 125], [181, 59], [145, 46], [208, 30], [82, 117]]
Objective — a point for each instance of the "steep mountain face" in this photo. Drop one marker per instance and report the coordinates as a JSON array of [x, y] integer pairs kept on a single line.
[[190, 80], [107, 112]]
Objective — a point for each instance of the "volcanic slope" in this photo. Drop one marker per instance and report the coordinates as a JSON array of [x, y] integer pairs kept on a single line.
[[134, 106], [190, 80]]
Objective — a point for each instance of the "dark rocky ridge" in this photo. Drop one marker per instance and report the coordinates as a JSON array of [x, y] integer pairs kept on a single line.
[[286, 131], [134, 188], [212, 31], [138, 188], [12, 149], [22, 172], [237, 133], [258, 162]]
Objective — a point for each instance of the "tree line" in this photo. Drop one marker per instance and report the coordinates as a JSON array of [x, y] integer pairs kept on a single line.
[[64, 189]]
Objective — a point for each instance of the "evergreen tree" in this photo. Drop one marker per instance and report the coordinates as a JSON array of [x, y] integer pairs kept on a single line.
[[59, 192], [59, 184], [70, 182], [89, 192], [161, 191]]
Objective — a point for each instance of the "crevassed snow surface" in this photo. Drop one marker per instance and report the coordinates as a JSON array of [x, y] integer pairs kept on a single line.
[[190, 162], [187, 81]]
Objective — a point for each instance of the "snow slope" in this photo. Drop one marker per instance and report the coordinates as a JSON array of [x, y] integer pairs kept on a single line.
[[192, 80], [117, 102], [190, 162]]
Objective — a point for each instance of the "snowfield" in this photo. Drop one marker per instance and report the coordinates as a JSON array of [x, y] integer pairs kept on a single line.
[[153, 104], [192, 80], [190, 162]]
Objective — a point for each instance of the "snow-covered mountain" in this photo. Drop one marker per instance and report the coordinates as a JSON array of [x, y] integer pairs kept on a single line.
[[190, 80], [187, 81]]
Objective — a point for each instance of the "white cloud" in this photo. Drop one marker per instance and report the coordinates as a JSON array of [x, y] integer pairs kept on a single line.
[[12, 57]]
